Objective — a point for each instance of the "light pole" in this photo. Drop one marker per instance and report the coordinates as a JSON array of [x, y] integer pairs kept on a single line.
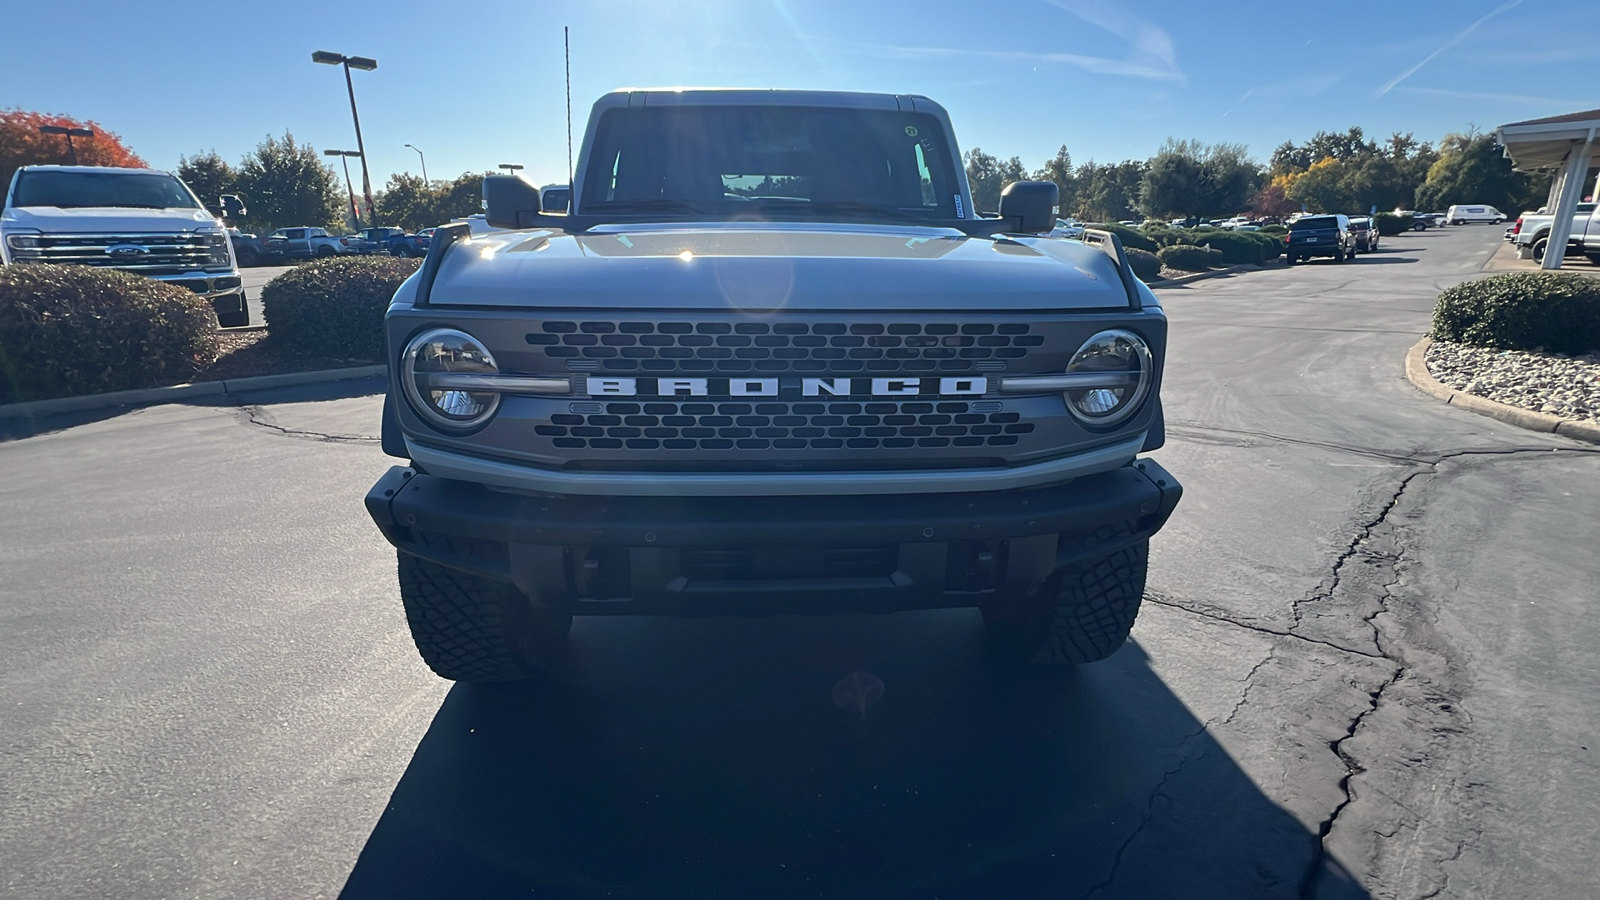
[[344, 156], [511, 168], [424, 165], [365, 64], [70, 133]]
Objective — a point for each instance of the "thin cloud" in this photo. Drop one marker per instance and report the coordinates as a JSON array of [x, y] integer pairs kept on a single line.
[[1509, 4], [1498, 98], [1151, 55]]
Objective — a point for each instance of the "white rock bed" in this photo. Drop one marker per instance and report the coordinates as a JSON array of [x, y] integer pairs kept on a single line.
[[1563, 386]]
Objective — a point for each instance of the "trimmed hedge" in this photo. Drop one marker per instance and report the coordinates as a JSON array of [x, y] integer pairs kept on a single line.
[[334, 307], [1131, 237], [67, 330], [1391, 224], [1274, 230], [1235, 247], [1189, 259], [1146, 265], [1554, 311]]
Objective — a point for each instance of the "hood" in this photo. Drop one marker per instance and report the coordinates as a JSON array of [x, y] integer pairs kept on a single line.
[[771, 266], [106, 220]]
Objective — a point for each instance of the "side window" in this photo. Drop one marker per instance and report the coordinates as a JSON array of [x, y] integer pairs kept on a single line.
[[295, 234]]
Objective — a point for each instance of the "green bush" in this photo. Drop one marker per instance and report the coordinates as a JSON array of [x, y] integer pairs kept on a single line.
[[1165, 235], [67, 330], [1391, 224], [1131, 237], [1236, 248], [334, 307], [1188, 258], [1555, 311], [1146, 265], [1271, 245], [1274, 230]]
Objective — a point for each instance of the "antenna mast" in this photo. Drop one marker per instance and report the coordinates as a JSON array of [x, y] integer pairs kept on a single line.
[[566, 44]]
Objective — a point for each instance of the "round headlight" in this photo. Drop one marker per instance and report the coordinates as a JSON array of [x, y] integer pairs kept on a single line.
[[1125, 361], [444, 350]]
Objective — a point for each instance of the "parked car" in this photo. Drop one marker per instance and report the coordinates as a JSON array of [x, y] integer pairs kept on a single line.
[[141, 221], [374, 240], [1320, 235], [247, 248], [1067, 228], [302, 243], [1461, 215], [411, 244], [1531, 233], [1366, 234]]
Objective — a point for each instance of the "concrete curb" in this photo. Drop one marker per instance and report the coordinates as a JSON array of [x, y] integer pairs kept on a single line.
[[1200, 276], [179, 392], [1417, 373]]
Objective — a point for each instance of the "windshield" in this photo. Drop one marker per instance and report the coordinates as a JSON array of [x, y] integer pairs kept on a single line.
[[138, 190], [1310, 223], [771, 161]]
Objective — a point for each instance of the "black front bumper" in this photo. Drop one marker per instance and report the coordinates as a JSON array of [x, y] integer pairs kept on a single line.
[[704, 555]]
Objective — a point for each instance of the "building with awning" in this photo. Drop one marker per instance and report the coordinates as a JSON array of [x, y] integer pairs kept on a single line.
[[1562, 146]]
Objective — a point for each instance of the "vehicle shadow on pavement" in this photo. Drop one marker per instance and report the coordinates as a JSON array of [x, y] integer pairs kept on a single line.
[[712, 758]]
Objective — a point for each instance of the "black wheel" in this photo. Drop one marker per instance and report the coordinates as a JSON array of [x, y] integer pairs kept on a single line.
[[324, 252], [1494, 221], [1290, 260], [1074, 617], [471, 629], [1539, 248], [1338, 255]]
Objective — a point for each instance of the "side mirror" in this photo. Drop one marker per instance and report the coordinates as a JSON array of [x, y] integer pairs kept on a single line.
[[1032, 204], [232, 206], [509, 201]]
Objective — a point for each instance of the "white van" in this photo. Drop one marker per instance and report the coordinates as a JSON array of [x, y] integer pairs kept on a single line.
[[1461, 215]]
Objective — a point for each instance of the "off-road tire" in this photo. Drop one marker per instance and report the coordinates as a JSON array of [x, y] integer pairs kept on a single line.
[[471, 629], [1075, 617], [324, 252], [1539, 248]]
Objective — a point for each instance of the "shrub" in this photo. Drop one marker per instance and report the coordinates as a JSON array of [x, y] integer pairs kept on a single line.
[[1189, 258], [1556, 311], [1274, 230], [68, 330], [1146, 265], [1391, 224], [1271, 245], [1165, 235], [334, 307], [1131, 237], [1235, 247]]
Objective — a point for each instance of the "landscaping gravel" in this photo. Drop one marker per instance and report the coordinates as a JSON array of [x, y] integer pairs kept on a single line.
[[1563, 386]]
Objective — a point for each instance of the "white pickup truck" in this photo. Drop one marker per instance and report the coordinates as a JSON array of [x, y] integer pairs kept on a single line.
[[1531, 233], [138, 220]]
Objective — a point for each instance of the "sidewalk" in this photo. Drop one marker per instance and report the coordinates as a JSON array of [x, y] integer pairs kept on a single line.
[[1505, 260]]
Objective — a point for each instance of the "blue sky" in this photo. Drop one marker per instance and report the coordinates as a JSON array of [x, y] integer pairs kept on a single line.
[[475, 85]]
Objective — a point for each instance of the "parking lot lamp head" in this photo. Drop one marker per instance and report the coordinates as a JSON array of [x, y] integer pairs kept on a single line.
[[69, 134], [365, 64], [424, 163], [344, 156], [511, 168]]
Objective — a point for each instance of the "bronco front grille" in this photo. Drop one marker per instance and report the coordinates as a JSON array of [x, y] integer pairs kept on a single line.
[[700, 425], [736, 347]]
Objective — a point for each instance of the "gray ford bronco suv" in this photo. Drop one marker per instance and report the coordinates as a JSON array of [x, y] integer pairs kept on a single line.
[[770, 360]]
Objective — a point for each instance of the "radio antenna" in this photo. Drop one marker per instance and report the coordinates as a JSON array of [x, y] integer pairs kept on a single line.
[[567, 47]]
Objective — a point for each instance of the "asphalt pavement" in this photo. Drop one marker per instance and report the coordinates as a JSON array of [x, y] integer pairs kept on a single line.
[[254, 279], [1364, 667]]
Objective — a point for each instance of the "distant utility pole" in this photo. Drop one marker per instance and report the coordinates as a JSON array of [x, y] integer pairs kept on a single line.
[[344, 156], [365, 64], [70, 134]]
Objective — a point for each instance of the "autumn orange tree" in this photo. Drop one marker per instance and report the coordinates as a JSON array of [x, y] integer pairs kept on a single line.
[[21, 144]]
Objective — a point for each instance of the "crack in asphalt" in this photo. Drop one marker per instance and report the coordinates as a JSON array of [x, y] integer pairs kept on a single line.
[[1145, 819], [252, 415], [1216, 615], [1353, 767]]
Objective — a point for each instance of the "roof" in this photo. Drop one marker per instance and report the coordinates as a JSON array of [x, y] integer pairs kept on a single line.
[[91, 169], [1544, 144], [1584, 116]]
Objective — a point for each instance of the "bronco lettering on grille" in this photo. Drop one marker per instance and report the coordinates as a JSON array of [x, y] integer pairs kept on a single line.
[[968, 386]]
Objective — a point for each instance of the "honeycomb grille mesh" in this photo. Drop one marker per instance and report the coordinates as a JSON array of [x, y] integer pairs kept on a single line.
[[699, 425], [809, 347]]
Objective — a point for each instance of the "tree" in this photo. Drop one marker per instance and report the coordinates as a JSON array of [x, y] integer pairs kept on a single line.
[[208, 175], [409, 202], [1472, 169], [1273, 199], [1059, 169], [285, 183], [21, 144], [462, 197], [1108, 192], [988, 176], [1197, 179]]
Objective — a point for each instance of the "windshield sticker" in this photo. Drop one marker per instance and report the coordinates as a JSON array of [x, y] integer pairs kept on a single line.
[[623, 240], [958, 207], [911, 131]]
